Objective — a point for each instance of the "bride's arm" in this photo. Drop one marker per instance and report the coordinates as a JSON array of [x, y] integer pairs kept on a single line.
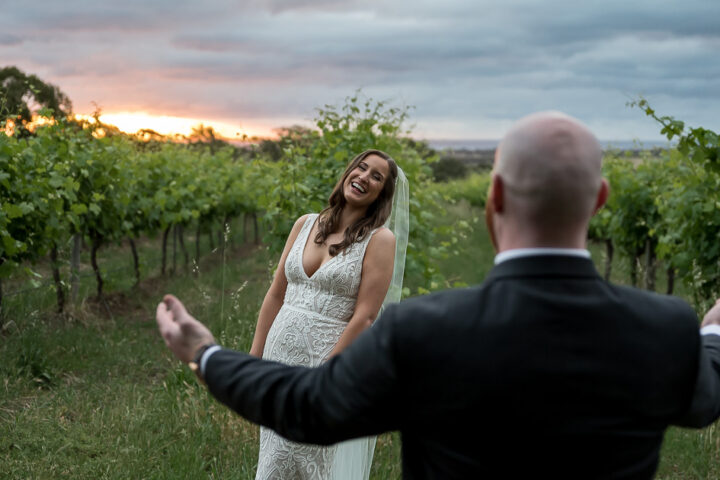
[[275, 294], [377, 273]]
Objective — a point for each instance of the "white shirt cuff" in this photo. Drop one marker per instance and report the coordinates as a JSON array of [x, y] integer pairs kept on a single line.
[[205, 356], [710, 330]]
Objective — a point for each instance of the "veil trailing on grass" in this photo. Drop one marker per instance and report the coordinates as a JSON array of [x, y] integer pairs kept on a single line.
[[353, 458]]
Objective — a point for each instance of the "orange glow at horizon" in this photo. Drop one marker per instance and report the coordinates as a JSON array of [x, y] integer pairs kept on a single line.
[[132, 122], [35, 122]]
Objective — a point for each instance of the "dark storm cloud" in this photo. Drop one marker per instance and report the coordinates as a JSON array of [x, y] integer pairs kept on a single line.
[[466, 64]]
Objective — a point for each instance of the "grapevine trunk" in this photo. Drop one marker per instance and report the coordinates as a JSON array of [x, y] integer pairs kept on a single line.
[[164, 249], [96, 241], [181, 234], [56, 277], [75, 267], [136, 262]]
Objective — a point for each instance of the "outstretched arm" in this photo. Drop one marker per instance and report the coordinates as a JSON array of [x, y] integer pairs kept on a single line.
[[705, 406], [352, 395]]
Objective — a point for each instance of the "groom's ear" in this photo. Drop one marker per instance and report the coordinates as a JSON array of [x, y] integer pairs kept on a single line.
[[494, 191], [495, 195], [602, 196]]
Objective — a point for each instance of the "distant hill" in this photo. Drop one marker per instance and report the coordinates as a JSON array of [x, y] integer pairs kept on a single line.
[[481, 153]]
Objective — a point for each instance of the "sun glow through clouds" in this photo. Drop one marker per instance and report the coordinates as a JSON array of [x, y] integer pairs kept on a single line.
[[132, 122]]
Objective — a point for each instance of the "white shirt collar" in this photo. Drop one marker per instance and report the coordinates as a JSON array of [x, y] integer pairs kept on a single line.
[[532, 252]]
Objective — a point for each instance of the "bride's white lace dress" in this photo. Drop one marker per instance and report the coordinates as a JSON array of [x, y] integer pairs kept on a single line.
[[314, 314]]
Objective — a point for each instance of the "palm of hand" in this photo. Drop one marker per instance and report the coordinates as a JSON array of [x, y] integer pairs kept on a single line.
[[712, 317], [182, 333]]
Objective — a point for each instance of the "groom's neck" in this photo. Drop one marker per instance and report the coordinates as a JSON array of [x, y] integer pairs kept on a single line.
[[513, 238]]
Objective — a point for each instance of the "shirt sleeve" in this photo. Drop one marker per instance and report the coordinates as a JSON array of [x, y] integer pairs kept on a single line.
[[205, 356], [705, 405], [710, 330], [353, 394]]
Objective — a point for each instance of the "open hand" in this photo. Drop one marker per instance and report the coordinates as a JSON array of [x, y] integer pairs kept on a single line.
[[712, 317], [182, 333]]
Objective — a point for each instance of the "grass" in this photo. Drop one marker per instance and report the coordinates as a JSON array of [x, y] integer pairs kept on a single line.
[[94, 396]]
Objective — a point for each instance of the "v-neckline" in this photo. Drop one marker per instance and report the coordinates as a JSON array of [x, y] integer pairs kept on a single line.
[[302, 253]]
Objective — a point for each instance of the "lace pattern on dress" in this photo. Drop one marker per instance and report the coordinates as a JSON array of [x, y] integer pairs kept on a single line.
[[313, 316]]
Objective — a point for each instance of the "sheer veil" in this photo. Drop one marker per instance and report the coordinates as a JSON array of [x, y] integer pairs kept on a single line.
[[353, 458], [399, 224]]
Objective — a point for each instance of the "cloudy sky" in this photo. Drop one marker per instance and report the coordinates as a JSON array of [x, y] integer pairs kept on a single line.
[[469, 68]]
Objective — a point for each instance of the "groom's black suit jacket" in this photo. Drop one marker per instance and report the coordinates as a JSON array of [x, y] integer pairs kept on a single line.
[[544, 368]]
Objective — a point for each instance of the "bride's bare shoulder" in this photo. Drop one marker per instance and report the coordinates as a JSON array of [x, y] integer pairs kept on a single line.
[[298, 226], [301, 221], [381, 243], [383, 236]]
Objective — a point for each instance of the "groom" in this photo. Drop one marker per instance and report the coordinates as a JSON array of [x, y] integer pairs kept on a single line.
[[543, 369]]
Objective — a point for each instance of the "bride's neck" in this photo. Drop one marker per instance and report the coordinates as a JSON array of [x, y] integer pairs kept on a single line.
[[349, 216]]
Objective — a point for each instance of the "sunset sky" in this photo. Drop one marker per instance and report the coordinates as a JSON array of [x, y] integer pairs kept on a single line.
[[469, 68]]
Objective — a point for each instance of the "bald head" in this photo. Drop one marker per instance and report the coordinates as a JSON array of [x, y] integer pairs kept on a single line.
[[549, 165]]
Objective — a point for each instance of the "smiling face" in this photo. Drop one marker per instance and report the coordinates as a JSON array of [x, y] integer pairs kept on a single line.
[[364, 183]]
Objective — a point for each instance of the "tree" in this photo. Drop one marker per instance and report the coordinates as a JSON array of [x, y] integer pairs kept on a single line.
[[22, 95], [448, 168], [206, 136]]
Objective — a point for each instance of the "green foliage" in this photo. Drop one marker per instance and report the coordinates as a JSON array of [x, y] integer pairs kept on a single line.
[[60, 182], [448, 168], [35, 196], [86, 178], [631, 212], [313, 161], [700, 146], [21, 93], [688, 203], [473, 189], [690, 239], [670, 202], [70, 179]]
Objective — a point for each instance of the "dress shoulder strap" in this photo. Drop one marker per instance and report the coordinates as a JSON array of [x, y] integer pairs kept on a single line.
[[310, 220], [362, 244], [305, 230], [307, 226]]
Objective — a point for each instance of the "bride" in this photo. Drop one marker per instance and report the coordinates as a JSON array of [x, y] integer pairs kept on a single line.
[[325, 292]]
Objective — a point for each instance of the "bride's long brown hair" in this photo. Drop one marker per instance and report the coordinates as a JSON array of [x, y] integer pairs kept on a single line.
[[376, 215]]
